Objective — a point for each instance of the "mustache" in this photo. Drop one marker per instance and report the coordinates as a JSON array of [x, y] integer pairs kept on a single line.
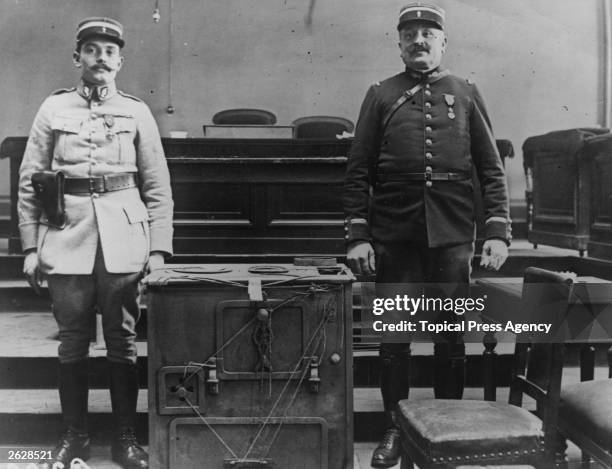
[[419, 48]]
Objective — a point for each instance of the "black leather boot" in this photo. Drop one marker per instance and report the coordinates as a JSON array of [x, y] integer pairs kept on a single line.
[[449, 370], [124, 395], [394, 385], [387, 452], [457, 377], [127, 452], [73, 390]]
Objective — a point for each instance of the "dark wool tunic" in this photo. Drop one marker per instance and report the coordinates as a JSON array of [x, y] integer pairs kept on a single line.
[[443, 128]]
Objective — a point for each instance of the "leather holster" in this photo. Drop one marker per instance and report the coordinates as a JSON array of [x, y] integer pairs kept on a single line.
[[49, 188]]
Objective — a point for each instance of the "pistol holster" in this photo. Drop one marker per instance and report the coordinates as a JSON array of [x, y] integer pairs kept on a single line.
[[49, 187]]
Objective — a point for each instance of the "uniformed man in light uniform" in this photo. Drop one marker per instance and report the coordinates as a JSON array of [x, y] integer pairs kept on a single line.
[[409, 195], [118, 225]]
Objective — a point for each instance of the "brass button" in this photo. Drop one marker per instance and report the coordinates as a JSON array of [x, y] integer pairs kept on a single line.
[[428, 129], [427, 104], [427, 93], [346, 228], [428, 155], [428, 142], [93, 146], [428, 168], [95, 195], [427, 85], [346, 237], [428, 116], [428, 183]]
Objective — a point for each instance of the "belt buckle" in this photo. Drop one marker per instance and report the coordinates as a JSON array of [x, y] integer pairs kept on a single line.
[[97, 185]]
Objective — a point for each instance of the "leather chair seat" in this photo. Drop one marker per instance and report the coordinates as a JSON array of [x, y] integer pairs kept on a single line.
[[462, 430], [587, 407]]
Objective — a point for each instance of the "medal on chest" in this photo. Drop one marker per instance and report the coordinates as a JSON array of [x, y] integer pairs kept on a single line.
[[109, 123], [449, 99]]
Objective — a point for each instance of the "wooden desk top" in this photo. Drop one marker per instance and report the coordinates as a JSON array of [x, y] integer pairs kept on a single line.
[[598, 290], [587, 318]]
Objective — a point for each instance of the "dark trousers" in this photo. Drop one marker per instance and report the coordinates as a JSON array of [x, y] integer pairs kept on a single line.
[[75, 299], [408, 268]]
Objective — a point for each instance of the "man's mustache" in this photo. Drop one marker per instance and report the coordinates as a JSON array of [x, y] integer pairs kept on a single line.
[[419, 48]]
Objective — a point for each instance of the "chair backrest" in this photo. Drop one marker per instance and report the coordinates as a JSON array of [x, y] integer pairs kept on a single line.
[[244, 117], [538, 362], [321, 126], [505, 148]]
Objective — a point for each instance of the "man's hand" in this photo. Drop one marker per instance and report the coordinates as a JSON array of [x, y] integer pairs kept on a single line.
[[32, 271], [360, 258], [156, 261], [494, 254]]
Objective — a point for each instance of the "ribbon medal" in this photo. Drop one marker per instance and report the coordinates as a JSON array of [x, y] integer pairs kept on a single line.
[[449, 99], [109, 121]]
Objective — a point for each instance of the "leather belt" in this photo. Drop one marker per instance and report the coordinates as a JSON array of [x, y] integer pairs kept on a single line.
[[99, 184], [426, 176]]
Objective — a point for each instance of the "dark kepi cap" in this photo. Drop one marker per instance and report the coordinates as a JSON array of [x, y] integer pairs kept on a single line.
[[107, 28], [421, 12]]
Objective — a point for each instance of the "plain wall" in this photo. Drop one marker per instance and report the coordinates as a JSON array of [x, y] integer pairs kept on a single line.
[[538, 63]]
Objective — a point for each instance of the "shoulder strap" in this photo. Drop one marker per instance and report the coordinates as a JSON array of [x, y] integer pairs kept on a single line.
[[405, 96], [129, 96], [63, 90]]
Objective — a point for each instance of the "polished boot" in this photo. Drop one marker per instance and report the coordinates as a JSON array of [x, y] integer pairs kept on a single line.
[[449, 371], [394, 385], [73, 390], [124, 395], [387, 452], [127, 452]]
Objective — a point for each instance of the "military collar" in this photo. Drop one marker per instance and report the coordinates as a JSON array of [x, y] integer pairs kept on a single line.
[[97, 92], [429, 77]]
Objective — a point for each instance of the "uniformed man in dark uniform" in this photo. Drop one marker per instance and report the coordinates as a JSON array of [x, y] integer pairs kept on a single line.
[[117, 224], [409, 198]]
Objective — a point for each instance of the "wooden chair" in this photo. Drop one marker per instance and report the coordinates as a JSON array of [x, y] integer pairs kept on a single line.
[[585, 417], [244, 117], [447, 433], [321, 127]]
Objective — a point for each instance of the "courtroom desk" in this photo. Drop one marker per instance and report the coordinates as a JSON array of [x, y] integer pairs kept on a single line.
[[241, 197], [599, 150], [562, 174], [587, 321], [245, 197], [13, 148]]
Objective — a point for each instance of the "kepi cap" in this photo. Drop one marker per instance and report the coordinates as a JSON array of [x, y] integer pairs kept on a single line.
[[107, 28], [421, 12]]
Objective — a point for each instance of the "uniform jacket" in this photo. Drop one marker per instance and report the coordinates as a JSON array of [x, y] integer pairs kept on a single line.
[[86, 137], [443, 128]]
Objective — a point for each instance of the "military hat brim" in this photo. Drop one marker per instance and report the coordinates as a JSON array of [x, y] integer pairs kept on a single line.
[[428, 13], [106, 28]]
